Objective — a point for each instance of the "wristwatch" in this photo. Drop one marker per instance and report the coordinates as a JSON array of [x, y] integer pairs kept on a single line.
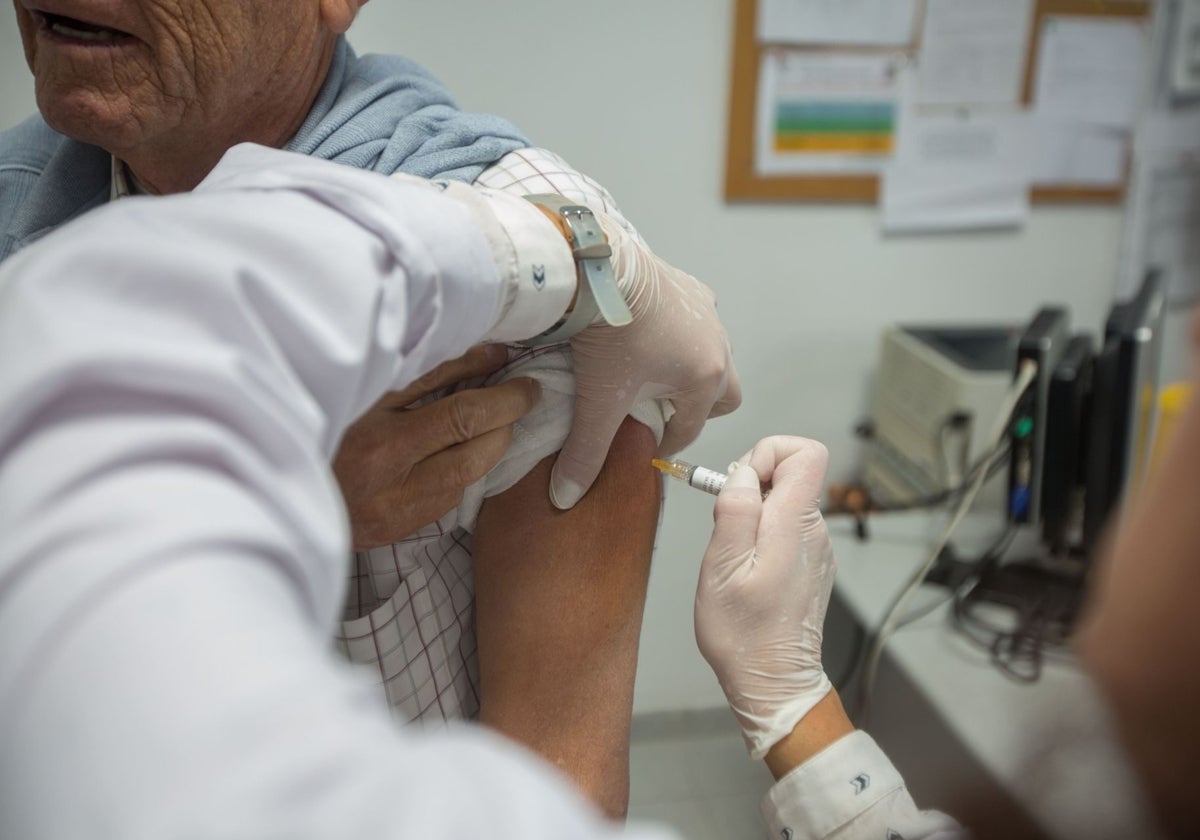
[[597, 290]]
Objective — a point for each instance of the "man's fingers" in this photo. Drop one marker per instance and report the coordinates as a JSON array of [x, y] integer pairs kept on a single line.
[[460, 466], [402, 513], [480, 360], [458, 418], [432, 488]]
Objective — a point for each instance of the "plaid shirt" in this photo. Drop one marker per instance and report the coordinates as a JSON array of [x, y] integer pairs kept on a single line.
[[410, 606]]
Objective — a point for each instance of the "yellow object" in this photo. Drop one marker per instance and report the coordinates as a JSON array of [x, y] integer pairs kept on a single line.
[[675, 469], [1172, 401], [879, 143]]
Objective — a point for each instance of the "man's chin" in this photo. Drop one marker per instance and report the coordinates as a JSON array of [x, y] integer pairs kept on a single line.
[[91, 117]]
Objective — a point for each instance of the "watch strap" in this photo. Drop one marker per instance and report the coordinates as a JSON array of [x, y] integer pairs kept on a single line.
[[597, 293]]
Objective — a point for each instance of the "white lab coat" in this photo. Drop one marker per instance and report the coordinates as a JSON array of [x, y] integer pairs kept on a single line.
[[175, 375]]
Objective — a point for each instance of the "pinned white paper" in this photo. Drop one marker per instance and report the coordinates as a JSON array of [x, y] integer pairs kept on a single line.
[[964, 171], [1077, 154], [973, 51], [1184, 50], [837, 22], [1089, 70], [1163, 210]]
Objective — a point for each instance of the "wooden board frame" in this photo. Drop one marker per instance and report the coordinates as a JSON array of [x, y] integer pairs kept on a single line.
[[741, 180], [743, 183]]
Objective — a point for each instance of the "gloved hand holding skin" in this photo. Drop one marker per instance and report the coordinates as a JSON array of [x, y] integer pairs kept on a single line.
[[675, 348], [764, 587]]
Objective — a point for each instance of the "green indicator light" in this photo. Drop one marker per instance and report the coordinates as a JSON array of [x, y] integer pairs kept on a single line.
[[1024, 427]]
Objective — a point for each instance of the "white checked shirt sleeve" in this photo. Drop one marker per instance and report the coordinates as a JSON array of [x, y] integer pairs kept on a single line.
[[849, 791], [529, 171]]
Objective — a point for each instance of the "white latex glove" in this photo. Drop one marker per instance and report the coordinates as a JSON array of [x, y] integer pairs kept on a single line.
[[764, 587], [675, 348]]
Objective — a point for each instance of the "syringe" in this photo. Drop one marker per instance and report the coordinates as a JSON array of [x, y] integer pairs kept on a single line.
[[702, 478]]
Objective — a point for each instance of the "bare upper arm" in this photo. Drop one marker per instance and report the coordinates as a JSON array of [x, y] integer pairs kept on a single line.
[[559, 599]]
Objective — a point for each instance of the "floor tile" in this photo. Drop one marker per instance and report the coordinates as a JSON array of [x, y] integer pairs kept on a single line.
[[657, 772], [735, 817], [689, 817], [722, 767], [704, 785]]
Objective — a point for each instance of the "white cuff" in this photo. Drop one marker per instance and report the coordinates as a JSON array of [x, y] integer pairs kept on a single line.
[[539, 274], [830, 789], [537, 270]]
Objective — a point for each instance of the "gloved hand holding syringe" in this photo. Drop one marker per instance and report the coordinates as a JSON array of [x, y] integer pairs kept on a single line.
[[765, 584]]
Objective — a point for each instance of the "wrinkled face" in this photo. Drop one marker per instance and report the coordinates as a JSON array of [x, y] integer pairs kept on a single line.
[[125, 73]]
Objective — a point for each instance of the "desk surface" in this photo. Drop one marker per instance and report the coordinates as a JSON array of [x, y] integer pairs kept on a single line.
[[1046, 743]]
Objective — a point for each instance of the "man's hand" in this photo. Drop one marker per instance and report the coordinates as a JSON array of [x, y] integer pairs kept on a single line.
[[676, 349], [402, 467]]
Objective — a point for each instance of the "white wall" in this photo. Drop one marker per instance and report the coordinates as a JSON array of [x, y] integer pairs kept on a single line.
[[16, 85], [634, 92], [637, 96]]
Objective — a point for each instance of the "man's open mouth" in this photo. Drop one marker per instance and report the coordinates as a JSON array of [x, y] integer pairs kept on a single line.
[[81, 30]]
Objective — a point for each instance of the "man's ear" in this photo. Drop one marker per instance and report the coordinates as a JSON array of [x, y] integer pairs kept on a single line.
[[337, 15]]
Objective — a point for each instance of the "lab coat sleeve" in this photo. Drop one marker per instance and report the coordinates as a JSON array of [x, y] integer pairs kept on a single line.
[[848, 791], [535, 266], [175, 374]]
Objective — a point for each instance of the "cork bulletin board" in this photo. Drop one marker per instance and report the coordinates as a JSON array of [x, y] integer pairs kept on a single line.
[[745, 182]]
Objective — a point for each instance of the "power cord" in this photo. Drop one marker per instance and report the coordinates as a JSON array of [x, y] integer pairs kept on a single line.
[[1045, 611], [856, 502], [960, 423], [1026, 374], [990, 555]]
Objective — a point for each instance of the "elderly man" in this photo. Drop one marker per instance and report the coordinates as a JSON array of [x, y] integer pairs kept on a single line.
[[146, 97]]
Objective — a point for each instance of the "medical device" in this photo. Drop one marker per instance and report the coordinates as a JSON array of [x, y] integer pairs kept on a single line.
[[1067, 404], [1100, 416], [1042, 343], [702, 478], [1097, 410], [937, 390]]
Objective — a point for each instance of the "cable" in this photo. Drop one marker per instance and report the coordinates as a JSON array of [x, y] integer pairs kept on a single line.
[[1042, 625], [859, 645], [959, 422], [1025, 376], [991, 554], [856, 651], [993, 461]]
